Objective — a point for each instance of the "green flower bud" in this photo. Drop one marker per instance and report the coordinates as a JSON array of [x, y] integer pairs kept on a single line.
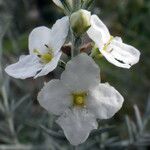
[[80, 22], [58, 3], [70, 3]]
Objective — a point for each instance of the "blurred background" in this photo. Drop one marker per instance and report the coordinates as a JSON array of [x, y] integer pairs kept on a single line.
[[25, 125]]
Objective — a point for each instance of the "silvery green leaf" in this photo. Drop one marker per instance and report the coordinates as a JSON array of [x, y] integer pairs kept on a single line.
[[3, 128], [5, 139], [147, 111], [5, 98], [111, 140], [134, 129], [4, 22], [53, 133], [129, 127], [138, 118], [1, 108], [119, 144], [17, 104], [102, 130]]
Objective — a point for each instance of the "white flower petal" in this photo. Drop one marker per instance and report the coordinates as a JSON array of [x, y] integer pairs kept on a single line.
[[59, 33], [54, 38], [98, 31], [125, 53], [104, 101], [55, 97], [120, 54], [81, 73], [58, 3], [119, 39], [77, 124], [50, 66], [38, 38], [26, 67], [113, 60]]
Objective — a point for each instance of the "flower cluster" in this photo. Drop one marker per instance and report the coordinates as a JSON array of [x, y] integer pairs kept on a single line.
[[78, 97]]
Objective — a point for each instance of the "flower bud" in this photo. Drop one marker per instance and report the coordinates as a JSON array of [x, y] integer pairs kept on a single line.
[[80, 21], [70, 3], [58, 3]]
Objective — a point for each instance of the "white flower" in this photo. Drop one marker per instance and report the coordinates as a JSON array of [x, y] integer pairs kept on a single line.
[[79, 98], [44, 51], [112, 48]]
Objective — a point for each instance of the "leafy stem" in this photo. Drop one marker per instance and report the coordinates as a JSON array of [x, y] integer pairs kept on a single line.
[[76, 43]]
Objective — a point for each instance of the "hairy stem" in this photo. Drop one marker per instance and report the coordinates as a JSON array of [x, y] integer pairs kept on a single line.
[[76, 43]]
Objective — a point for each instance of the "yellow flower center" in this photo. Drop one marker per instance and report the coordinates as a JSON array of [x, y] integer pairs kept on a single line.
[[108, 43], [45, 58], [79, 99]]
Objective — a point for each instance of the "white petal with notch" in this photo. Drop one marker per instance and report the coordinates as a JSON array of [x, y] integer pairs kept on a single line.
[[26, 67], [38, 38], [104, 101], [81, 73], [77, 125], [59, 33], [55, 97], [98, 31]]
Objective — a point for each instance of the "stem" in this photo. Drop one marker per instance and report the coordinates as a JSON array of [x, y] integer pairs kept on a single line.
[[72, 43], [62, 64], [9, 116], [76, 42], [10, 121], [94, 52], [61, 61]]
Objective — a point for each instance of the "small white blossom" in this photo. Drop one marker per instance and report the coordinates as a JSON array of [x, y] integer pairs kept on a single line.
[[112, 48], [79, 98], [44, 51]]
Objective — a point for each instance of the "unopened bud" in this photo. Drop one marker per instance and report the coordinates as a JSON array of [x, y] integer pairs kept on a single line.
[[80, 21], [70, 3], [58, 3]]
